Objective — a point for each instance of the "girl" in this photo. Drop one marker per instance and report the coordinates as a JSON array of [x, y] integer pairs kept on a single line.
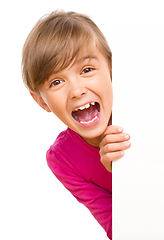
[[67, 67]]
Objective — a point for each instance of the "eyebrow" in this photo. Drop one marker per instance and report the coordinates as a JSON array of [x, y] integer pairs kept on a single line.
[[81, 60], [87, 57]]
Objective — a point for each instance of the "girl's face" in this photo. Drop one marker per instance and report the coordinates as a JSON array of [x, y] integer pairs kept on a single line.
[[81, 96]]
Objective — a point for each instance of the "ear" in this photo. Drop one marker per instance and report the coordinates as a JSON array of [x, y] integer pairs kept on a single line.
[[37, 97]]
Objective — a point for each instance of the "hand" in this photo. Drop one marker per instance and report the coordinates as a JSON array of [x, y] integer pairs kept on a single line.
[[112, 146]]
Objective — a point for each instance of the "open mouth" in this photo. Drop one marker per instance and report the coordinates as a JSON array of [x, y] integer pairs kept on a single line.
[[87, 113]]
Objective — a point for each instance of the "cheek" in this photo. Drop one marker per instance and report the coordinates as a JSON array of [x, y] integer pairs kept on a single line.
[[55, 104], [105, 86], [107, 96], [58, 110], [108, 86]]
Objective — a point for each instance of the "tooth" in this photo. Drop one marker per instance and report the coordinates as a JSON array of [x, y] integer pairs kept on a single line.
[[85, 106], [76, 117], [89, 121], [82, 107], [93, 103]]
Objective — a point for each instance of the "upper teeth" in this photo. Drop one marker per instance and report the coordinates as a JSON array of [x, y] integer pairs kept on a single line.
[[84, 106]]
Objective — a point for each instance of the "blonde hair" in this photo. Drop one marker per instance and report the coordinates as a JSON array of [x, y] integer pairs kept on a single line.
[[54, 43]]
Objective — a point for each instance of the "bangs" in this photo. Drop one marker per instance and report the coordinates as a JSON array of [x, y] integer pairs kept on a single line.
[[63, 47], [55, 43]]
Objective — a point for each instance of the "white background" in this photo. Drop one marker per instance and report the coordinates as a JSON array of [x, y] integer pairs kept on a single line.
[[138, 179], [33, 204]]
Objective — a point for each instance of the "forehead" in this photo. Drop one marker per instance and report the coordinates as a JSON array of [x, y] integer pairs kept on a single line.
[[85, 55]]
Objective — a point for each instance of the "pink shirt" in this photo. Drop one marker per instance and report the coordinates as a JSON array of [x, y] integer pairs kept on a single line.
[[77, 166]]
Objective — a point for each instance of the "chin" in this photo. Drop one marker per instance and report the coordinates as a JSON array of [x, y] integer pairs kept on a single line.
[[93, 133]]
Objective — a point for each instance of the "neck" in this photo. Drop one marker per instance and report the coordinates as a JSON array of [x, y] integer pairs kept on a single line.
[[94, 142]]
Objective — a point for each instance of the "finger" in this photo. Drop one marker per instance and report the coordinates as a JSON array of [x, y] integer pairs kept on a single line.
[[114, 138], [107, 159], [114, 147], [108, 167], [113, 129]]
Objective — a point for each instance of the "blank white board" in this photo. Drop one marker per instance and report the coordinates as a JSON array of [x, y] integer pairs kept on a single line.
[[138, 178]]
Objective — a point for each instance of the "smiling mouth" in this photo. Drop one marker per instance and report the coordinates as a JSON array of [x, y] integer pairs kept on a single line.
[[87, 113]]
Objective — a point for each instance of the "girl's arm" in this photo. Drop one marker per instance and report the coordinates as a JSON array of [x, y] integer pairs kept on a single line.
[[98, 200]]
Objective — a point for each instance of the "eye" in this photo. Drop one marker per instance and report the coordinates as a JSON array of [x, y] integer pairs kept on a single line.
[[55, 83], [87, 70]]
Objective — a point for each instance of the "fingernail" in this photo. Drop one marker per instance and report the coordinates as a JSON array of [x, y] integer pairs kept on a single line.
[[127, 137], [122, 153], [127, 144], [120, 129]]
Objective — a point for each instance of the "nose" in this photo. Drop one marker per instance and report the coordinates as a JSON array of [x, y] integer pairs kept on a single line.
[[77, 89]]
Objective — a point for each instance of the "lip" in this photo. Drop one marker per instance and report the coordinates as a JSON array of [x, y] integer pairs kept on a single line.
[[91, 124]]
